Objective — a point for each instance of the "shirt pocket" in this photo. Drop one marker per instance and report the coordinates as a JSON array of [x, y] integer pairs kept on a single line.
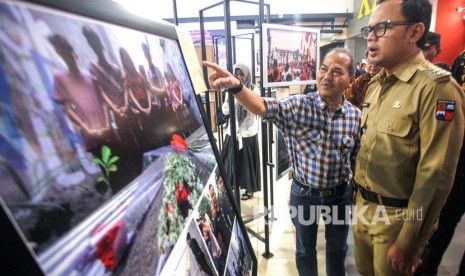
[[347, 144], [395, 127], [395, 141], [309, 142]]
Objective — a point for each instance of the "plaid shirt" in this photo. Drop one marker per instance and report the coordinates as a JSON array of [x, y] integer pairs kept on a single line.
[[322, 144]]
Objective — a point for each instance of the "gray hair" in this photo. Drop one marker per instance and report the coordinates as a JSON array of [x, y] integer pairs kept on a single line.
[[349, 54]]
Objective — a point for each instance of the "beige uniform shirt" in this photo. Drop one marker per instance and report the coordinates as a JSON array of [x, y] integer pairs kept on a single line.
[[410, 143]]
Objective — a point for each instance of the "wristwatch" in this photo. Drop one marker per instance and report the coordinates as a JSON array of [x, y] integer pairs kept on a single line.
[[236, 89]]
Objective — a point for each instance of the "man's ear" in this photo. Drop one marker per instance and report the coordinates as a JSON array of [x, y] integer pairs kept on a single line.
[[417, 31], [352, 79]]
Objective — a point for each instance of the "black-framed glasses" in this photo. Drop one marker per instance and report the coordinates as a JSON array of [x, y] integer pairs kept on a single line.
[[379, 29]]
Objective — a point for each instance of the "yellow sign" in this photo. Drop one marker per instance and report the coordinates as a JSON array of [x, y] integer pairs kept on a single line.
[[365, 8]]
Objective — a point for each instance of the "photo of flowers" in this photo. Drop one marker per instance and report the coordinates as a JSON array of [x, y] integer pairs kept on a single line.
[[104, 149]]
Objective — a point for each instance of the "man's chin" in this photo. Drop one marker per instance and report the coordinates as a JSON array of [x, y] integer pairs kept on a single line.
[[325, 91]]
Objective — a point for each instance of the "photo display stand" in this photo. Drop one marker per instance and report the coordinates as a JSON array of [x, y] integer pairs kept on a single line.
[[108, 162], [283, 161], [291, 58], [219, 99], [266, 128], [222, 119]]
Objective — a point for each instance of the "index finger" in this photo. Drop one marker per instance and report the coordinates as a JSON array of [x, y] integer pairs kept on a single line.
[[213, 66]]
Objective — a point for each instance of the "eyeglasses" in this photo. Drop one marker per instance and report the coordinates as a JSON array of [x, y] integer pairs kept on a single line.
[[380, 28]]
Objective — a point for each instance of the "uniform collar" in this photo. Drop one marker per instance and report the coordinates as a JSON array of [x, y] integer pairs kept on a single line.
[[406, 71]]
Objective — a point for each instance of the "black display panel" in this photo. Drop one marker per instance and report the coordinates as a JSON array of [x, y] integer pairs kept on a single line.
[[107, 160], [282, 156]]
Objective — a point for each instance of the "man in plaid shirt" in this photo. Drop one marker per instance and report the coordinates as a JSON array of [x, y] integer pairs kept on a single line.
[[322, 131]]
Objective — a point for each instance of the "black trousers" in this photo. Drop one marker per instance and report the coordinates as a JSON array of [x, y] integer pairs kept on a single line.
[[450, 216]]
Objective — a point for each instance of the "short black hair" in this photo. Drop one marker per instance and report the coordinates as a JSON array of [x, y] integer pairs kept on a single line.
[[432, 38], [417, 11]]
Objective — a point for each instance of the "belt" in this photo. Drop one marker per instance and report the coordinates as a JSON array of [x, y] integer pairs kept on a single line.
[[381, 200], [321, 192]]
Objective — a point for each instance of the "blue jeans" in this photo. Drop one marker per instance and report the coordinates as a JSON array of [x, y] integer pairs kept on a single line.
[[306, 209]]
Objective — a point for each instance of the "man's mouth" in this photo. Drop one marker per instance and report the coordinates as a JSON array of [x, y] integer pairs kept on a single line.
[[372, 51], [326, 84]]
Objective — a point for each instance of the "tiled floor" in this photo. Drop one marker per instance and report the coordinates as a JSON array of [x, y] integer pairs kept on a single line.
[[282, 242]]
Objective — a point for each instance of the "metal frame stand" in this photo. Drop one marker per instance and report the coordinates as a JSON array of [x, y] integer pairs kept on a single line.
[[266, 127]]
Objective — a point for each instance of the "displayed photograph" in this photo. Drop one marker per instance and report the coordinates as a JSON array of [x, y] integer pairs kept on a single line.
[[290, 55], [239, 262], [196, 258], [216, 218], [213, 217], [104, 153]]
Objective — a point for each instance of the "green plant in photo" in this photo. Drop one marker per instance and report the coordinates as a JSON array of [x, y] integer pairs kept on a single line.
[[108, 164], [179, 168]]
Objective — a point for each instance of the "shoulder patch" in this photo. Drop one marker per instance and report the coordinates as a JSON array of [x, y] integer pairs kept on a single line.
[[445, 110], [434, 72]]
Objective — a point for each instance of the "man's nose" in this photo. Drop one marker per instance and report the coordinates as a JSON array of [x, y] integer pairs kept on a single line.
[[372, 36], [328, 75]]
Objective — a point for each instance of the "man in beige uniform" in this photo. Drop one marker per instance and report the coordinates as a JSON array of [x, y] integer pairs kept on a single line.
[[412, 130]]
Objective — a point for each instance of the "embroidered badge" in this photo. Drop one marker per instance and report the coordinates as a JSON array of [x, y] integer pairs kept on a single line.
[[445, 110], [397, 104]]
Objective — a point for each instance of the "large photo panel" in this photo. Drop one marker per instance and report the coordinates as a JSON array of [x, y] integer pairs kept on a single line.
[[103, 145], [290, 54]]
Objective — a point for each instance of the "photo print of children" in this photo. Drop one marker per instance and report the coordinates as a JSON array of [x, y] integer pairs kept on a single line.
[[162, 111], [86, 102], [97, 170], [180, 106], [76, 91], [108, 78]]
